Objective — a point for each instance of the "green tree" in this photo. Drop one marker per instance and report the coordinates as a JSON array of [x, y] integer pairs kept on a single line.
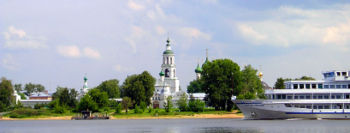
[[6, 94], [39, 88], [221, 79], [101, 98], [86, 103], [195, 86], [169, 104], [118, 109], [143, 106], [250, 84], [139, 88], [279, 84], [111, 87], [126, 103], [65, 96], [182, 102], [29, 88], [196, 105], [18, 87]]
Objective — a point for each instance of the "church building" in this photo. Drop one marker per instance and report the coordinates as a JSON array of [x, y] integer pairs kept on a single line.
[[168, 84]]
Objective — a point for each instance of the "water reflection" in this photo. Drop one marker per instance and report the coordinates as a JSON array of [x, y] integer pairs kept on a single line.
[[228, 130]]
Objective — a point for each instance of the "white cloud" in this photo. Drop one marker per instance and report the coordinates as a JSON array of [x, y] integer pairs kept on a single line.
[[70, 51], [9, 62], [120, 68], [18, 38], [91, 53], [135, 6], [287, 26]]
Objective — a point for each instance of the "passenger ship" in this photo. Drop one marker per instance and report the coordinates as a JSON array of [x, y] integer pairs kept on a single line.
[[309, 99]]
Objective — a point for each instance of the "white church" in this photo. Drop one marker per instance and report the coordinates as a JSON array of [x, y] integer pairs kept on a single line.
[[167, 84]]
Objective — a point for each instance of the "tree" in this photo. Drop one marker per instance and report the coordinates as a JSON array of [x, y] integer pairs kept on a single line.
[[86, 103], [221, 79], [169, 104], [196, 86], [251, 86], [126, 103], [65, 96], [39, 88], [139, 88], [101, 98], [196, 105], [18, 87], [279, 84], [30, 88], [6, 94], [111, 87], [182, 102]]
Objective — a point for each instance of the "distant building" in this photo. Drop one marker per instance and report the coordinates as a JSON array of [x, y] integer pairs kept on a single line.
[[37, 98], [85, 88]]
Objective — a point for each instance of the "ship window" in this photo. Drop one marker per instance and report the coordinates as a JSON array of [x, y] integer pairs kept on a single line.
[[314, 97], [296, 97], [344, 86], [315, 107], [320, 86], [295, 86], [338, 96], [308, 106], [320, 97], [331, 86], [343, 74], [302, 97], [326, 86], [308, 97], [278, 96], [338, 73], [307, 86], [348, 85], [313, 86], [326, 97], [338, 86], [289, 97], [347, 96], [288, 105], [326, 107], [301, 86], [283, 96], [320, 107], [333, 97]]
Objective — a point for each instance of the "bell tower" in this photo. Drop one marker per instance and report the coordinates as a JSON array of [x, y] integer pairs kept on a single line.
[[168, 65]]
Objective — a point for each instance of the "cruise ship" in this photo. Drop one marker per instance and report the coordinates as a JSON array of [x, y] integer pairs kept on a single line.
[[308, 99]]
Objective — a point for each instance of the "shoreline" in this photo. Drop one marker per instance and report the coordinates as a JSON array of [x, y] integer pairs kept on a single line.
[[195, 116]]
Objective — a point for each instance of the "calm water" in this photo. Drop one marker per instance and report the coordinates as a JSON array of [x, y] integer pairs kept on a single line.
[[177, 126]]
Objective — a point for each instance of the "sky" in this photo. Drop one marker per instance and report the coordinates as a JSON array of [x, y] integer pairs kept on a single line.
[[56, 42]]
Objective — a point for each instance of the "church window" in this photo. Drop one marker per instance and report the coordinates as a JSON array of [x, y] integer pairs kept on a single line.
[[166, 73], [174, 73], [167, 60], [171, 60]]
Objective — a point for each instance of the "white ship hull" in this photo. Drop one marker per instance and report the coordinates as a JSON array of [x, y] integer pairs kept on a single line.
[[274, 109]]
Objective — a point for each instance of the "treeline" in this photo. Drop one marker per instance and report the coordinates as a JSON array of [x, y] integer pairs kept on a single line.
[[279, 84], [221, 79]]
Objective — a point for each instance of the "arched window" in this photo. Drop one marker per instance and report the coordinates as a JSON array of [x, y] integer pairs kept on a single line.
[[167, 73], [171, 60], [174, 73], [167, 60]]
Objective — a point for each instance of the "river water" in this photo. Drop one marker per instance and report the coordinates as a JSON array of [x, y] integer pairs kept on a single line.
[[176, 126]]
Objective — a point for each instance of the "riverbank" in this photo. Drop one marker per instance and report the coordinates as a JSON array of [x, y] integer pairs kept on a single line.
[[210, 115]]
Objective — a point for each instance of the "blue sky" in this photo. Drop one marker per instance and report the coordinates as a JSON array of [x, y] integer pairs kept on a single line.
[[57, 42]]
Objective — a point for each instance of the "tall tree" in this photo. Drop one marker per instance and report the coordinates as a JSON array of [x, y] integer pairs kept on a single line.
[[139, 88], [111, 87], [279, 84], [39, 88], [86, 103], [169, 104], [196, 86], [6, 94], [221, 80], [251, 86]]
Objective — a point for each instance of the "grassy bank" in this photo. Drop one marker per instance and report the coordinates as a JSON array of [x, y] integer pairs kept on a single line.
[[46, 114]]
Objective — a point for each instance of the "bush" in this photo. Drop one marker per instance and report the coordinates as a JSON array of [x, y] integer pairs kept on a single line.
[[150, 110], [137, 110], [59, 109], [26, 112], [118, 109], [196, 105], [143, 106]]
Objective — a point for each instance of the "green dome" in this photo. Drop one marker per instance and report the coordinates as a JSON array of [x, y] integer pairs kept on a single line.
[[168, 52], [161, 73], [198, 69], [85, 79]]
